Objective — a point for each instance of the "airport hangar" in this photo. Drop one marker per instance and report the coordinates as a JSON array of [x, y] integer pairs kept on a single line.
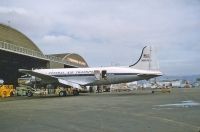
[[17, 51]]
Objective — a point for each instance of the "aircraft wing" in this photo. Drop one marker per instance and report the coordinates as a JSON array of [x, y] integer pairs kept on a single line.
[[51, 79]]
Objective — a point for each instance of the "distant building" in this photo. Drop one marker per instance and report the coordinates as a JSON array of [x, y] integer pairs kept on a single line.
[[119, 87], [133, 85], [175, 83], [197, 83]]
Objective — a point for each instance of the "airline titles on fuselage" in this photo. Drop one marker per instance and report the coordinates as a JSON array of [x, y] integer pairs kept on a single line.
[[71, 72]]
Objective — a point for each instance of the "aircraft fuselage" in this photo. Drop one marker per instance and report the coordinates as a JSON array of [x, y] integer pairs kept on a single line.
[[100, 75]]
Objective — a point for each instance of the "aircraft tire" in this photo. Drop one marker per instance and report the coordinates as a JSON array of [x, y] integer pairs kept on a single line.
[[29, 94], [75, 93], [11, 94], [62, 93]]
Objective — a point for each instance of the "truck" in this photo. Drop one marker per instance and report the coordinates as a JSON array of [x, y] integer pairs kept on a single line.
[[30, 86], [163, 89], [7, 90], [62, 91]]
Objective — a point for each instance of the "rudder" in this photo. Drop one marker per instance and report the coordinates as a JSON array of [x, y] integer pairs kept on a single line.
[[146, 61]]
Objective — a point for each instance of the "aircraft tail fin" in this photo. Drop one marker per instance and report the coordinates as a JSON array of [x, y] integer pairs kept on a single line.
[[147, 60]]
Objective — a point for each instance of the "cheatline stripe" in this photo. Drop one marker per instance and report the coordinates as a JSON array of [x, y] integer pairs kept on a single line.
[[69, 75], [125, 73]]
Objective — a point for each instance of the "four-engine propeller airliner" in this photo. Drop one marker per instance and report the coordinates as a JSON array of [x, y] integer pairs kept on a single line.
[[81, 77]]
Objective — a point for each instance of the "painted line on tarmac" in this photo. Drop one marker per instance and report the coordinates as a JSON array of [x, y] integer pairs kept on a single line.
[[183, 124]]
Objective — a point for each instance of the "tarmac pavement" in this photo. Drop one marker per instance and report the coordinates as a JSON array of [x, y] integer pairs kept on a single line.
[[140, 111]]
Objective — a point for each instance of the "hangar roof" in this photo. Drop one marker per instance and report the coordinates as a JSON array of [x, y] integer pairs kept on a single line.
[[13, 36], [73, 58]]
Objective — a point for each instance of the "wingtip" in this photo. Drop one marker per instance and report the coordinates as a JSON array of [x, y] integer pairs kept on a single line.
[[22, 70]]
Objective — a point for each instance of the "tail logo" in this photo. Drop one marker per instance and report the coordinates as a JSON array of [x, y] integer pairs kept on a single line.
[[146, 57]]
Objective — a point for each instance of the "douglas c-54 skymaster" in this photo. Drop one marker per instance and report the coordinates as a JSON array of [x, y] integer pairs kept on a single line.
[[81, 77]]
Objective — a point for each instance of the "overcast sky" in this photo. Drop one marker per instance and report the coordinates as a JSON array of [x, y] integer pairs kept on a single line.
[[112, 32]]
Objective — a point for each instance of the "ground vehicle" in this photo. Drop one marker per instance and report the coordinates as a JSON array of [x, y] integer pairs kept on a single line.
[[24, 91], [61, 91], [163, 90], [6, 90]]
